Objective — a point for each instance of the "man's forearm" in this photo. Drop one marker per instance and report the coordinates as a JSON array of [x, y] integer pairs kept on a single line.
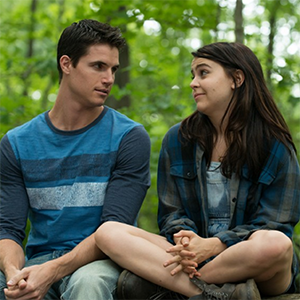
[[12, 257], [84, 253], [38, 278]]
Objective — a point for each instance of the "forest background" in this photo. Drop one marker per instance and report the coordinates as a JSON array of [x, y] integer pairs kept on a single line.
[[152, 86]]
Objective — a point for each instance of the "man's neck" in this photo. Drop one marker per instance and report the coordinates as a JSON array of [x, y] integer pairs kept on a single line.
[[67, 118]]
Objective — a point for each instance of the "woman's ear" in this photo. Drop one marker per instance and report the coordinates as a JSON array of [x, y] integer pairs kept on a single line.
[[239, 78]]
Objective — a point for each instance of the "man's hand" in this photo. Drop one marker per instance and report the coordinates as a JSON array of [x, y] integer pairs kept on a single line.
[[31, 282]]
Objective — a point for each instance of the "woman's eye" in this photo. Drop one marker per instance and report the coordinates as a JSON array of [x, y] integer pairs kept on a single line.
[[203, 72]]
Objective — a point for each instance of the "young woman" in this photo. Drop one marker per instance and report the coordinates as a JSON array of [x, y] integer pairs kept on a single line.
[[228, 187]]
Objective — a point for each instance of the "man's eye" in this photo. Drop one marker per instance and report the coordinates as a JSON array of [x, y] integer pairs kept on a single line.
[[98, 66]]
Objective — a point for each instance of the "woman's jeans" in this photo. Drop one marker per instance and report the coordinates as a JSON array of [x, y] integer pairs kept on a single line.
[[94, 281]]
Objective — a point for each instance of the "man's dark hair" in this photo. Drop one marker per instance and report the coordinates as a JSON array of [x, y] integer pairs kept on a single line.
[[78, 37]]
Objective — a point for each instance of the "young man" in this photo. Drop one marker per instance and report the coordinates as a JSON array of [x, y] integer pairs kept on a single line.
[[70, 170]]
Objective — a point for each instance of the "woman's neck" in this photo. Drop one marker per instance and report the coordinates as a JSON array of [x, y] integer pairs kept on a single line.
[[219, 149]]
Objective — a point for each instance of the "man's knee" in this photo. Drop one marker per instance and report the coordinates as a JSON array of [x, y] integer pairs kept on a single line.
[[98, 278], [2, 285]]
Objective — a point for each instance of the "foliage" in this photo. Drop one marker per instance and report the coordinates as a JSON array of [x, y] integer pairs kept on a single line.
[[160, 36]]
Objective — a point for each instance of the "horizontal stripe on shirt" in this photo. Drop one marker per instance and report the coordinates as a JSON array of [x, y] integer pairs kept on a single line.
[[78, 194]]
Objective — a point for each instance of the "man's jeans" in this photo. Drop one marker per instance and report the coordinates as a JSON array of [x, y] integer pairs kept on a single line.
[[96, 280]]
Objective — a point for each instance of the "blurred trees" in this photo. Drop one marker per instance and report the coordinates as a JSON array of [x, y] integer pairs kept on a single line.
[[153, 85]]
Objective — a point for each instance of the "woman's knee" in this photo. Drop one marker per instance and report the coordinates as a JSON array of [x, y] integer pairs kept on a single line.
[[272, 247], [108, 235]]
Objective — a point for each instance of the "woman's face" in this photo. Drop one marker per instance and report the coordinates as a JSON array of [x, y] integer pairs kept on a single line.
[[212, 88]]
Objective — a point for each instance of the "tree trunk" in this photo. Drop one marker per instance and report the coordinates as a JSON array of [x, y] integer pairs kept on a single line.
[[51, 79], [218, 17], [29, 54], [238, 19], [270, 57], [122, 78], [123, 75]]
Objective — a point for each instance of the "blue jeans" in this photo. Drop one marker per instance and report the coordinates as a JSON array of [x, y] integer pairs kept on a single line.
[[96, 280]]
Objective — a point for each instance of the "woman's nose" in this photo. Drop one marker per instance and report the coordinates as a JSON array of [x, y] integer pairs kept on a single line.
[[194, 83]]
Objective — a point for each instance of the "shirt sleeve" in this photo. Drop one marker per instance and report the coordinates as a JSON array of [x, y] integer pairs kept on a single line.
[[130, 179], [174, 196], [13, 195]]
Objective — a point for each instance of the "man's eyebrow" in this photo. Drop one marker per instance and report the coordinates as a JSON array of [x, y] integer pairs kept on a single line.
[[98, 62]]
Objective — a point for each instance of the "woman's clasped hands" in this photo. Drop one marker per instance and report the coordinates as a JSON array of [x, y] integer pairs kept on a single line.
[[189, 251]]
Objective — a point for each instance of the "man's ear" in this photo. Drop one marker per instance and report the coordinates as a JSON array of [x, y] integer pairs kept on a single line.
[[239, 78], [65, 64]]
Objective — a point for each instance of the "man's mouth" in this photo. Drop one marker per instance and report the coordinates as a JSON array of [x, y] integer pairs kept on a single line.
[[102, 91]]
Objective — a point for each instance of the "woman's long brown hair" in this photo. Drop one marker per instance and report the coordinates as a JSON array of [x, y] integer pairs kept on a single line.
[[253, 117]]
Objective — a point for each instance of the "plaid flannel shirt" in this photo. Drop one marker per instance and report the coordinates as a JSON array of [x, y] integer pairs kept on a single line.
[[271, 203]]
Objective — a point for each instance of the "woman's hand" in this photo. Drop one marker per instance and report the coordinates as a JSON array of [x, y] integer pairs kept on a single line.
[[184, 262], [190, 250]]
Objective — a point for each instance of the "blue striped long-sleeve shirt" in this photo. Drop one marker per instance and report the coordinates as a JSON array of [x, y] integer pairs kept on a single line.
[[69, 182]]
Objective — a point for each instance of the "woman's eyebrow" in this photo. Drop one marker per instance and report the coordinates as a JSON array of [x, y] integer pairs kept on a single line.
[[199, 66], [202, 65]]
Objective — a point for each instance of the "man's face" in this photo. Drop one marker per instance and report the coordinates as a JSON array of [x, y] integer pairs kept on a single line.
[[90, 82]]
